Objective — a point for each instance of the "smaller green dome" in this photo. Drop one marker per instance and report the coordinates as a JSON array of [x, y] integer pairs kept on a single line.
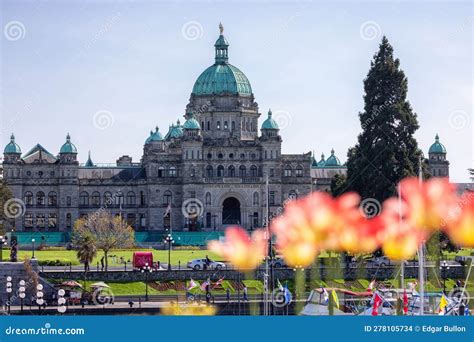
[[191, 122], [68, 146], [322, 162], [332, 160], [269, 123], [175, 131], [12, 147], [154, 136], [437, 147]]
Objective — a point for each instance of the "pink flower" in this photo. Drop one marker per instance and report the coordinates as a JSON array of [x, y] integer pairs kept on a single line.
[[240, 249]]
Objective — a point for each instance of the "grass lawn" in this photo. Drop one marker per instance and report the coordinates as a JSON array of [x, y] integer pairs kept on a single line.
[[114, 256]]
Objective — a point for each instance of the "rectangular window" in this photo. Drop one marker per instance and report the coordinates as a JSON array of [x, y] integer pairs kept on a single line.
[[142, 221], [52, 221], [299, 172], [131, 220], [28, 220], [68, 221], [142, 198], [272, 172], [271, 198], [68, 201], [40, 220], [287, 173]]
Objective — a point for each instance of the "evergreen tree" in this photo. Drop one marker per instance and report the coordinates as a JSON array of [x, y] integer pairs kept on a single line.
[[5, 195], [386, 150]]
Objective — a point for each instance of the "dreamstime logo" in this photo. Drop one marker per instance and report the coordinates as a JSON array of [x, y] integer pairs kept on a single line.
[[103, 119], [458, 119], [14, 208], [279, 298], [103, 296], [192, 208], [370, 207], [14, 30], [370, 30], [283, 119], [459, 295], [192, 30]]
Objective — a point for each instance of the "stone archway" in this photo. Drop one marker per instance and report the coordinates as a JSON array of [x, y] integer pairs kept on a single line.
[[231, 213]]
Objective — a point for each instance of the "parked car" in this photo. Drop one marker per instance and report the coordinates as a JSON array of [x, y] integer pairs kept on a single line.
[[464, 260], [200, 264], [381, 261]]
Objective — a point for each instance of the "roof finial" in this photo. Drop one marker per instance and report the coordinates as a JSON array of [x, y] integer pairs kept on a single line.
[[12, 138], [68, 137], [221, 28], [269, 113], [437, 137], [322, 156], [332, 152], [156, 129], [178, 122]]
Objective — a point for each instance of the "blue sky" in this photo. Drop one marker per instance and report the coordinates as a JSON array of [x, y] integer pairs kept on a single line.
[[135, 63]]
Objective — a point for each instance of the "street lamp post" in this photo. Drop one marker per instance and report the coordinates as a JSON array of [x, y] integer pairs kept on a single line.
[[169, 240], [39, 297], [9, 292], [33, 245], [444, 267], [146, 269], [21, 293]]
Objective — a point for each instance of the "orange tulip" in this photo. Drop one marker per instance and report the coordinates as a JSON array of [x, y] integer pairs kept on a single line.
[[240, 249], [428, 203], [460, 226], [400, 240]]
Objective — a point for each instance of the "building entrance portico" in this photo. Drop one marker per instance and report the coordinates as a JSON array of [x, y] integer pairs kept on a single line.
[[231, 211]]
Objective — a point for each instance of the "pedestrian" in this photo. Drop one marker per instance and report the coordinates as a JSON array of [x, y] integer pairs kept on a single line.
[[246, 299], [102, 263], [227, 294]]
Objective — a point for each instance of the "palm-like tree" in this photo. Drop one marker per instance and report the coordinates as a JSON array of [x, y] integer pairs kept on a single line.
[[86, 251]]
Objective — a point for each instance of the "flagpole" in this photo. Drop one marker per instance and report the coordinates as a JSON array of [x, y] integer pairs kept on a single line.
[[402, 268], [267, 273], [421, 262]]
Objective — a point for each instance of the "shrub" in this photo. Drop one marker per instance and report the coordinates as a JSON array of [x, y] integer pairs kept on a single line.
[[56, 262]]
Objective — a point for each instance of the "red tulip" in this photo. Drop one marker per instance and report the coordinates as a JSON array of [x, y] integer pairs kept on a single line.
[[428, 203]]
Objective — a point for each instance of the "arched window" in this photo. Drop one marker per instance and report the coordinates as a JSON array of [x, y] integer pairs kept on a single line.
[[226, 125], [161, 172], [256, 200], [68, 220], [220, 171], [242, 171], [287, 171], [218, 126], [28, 198], [108, 199], [209, 171], [173, 172], [233, 125], [202, 125], [253, 156], [52, 199], [292, 195], [40, 198], [131, 198], [231, 171], [231, 156], [52, 221], [84, 198], [242, 156], [95, 198], [220, 156], [208, 126], [208, 198], [253, 171], [209, 156], [119, 198], [299, 171], [167, 197], [247, 126]]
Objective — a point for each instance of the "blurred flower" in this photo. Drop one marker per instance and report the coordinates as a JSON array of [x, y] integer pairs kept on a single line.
[[319, 222], [175, 309], [428, 203], [240, 249], [400, 240], [460, 227]]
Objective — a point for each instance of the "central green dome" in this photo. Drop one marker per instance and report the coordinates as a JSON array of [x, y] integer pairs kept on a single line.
[[222, 77]]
